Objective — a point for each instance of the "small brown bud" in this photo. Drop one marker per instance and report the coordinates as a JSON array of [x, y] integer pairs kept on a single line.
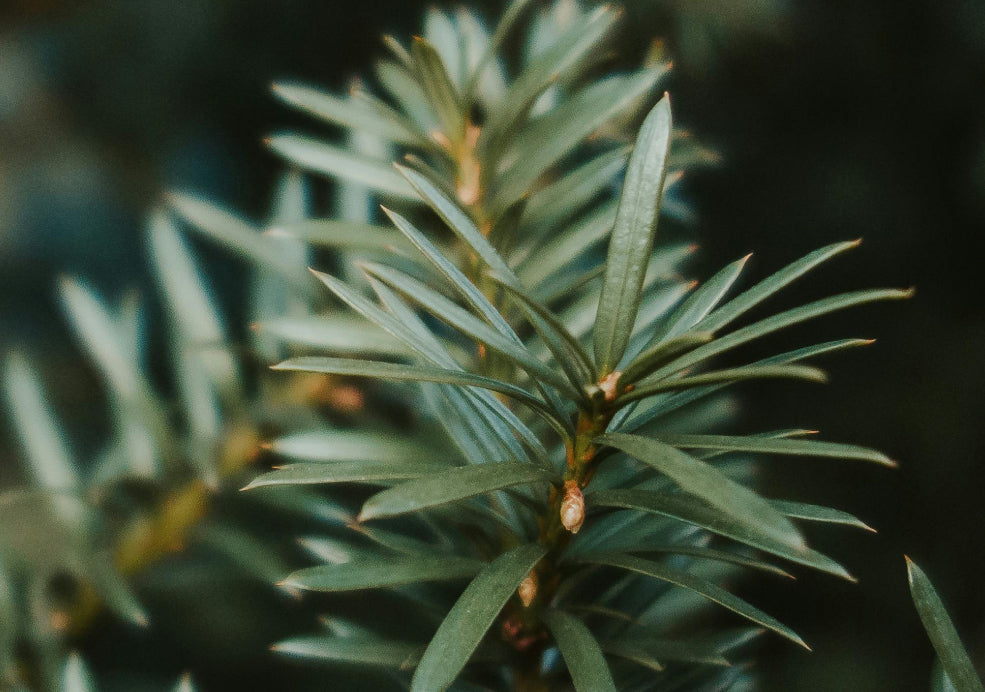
[[527, 591], [609, 386], [572, 507]]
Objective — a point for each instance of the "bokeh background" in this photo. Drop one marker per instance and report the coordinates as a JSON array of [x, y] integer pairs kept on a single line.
[[834, 120]]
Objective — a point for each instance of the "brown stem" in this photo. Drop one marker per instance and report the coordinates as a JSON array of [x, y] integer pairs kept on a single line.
[[523, 624]]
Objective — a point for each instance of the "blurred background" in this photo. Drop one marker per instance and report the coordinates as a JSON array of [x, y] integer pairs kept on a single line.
[[834, 120]]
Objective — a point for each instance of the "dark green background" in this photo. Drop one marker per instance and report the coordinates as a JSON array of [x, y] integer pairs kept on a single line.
[[835, 120]]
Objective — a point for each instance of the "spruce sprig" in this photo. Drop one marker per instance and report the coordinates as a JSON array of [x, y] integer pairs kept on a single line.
[[553, 374], [504, 353]]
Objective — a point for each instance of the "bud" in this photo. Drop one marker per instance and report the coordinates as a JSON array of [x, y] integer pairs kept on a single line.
[[572, 507], [527, 590], [610, 386]]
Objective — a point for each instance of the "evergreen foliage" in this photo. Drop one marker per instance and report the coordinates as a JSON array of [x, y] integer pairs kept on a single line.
[[498, 415]]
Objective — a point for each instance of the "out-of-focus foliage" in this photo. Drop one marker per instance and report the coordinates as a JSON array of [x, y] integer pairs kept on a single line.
[[78, 532]]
